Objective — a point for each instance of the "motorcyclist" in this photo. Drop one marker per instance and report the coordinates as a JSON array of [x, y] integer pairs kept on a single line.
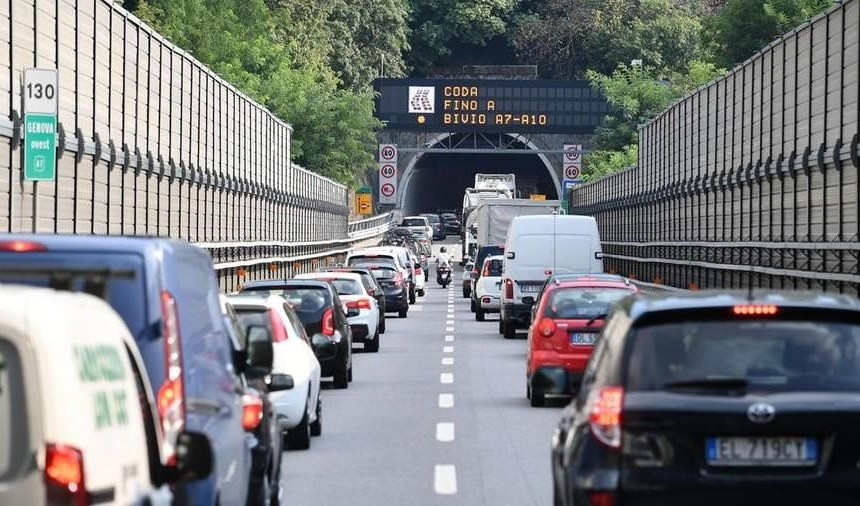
[[442, 259]]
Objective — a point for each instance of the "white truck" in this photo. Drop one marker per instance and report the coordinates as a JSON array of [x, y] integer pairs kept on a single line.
[[488, 224], [494, 181], [473, 197]]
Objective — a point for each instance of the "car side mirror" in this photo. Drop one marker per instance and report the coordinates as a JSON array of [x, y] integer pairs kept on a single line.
[[279, 382], [344, 307], [194, 459], [261, 351]]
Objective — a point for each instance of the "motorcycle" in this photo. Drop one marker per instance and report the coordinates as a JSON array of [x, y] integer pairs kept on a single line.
[[443, 275]]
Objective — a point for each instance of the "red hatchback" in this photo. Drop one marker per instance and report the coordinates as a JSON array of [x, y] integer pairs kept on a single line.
[[566, 322]]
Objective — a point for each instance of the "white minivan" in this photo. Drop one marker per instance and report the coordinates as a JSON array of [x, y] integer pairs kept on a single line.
[[73, 404], [536, 248]]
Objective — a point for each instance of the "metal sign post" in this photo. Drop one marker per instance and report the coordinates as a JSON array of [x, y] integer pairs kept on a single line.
[[39, 159]]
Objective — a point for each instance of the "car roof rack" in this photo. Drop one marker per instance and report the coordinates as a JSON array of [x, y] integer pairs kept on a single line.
[[63, 278]]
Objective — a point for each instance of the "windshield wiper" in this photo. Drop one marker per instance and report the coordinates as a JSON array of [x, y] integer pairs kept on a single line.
[[724, 383], [595, 318]]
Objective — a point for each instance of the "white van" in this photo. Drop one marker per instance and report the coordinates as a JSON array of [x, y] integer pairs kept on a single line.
[[71, 384], [536, 248]]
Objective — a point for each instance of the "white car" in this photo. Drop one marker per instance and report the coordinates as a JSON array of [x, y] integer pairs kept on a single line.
[[396, 255], [74, 397], [299, 408], [418, 223], [488, 287], [361, 307], [467, 279]]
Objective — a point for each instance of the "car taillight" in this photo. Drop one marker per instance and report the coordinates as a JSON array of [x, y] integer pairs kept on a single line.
[[398, 280], [171, 396], [279, 332], [252, 412], [486, 270], [546, 327], [605, 417], [509, 289], [419, 271], [328, 322], [755, 310], [64, 476], [359, 304], [601, 498], [22, 246]]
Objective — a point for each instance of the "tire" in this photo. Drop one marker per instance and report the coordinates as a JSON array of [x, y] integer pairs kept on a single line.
[[341, 377], [402, 313], [299, 437], [472, 305], [382, 325], [466, 294], [509, 330], [372, 346], [263, 494], [421, 293], [479, 314], [536, 399], [412, 298], [556, 499], [316, 427], [349, 374], [501, 326], [275, 499]]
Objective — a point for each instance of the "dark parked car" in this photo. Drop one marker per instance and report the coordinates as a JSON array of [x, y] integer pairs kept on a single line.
[[374, 289], [259, 416], [167, 294], [393, 287], [321, 311], [452, 224], [437, 225], [714, 398]]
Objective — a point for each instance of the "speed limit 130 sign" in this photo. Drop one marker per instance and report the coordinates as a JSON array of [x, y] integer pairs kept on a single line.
[[39, 94]]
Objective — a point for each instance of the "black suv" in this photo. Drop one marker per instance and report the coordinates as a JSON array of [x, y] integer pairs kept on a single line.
[[715, 398], [321, 312]]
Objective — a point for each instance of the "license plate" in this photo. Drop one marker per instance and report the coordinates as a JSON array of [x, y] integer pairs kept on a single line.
[[761, 451], [530, 288], [582, 338]]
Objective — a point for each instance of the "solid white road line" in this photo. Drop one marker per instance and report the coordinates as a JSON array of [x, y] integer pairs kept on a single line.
[[448, 361], [446, 400], [446, 378], [447, 349], [449, 338], [444, 432], [445, 480]]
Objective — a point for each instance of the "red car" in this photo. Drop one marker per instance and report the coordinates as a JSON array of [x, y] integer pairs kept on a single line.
[[566, 322]]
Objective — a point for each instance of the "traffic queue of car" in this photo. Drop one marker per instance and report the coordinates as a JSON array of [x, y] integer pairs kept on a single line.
[[130, 379], [678, 397]]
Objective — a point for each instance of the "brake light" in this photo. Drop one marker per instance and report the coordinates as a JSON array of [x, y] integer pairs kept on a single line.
[[755, 310], [170, 398], [605, 417], [486, 269], [64, 476], [22, 246], [328, 322], [601, 498], [252, 412], [419, 271], [359, 304], [398, 280], [509, 289], [279, 332], [546, 327]]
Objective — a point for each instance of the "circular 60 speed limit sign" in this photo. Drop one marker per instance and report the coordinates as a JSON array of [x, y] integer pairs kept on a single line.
[[387, 171]]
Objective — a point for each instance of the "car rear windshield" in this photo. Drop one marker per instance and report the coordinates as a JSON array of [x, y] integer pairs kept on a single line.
[[308, 302], [253, 316], [758, 356], [413, 222], [370, 260], [495, 267], [383, 273], [346, 286], [570, 303], [432, 218]]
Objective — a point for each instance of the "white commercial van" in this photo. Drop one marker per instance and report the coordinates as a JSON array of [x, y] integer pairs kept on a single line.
[[536, 248], [72, 390]]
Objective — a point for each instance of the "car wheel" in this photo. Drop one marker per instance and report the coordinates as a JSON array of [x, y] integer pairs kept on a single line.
[[412, 298], [556, 498], [299, 437], [341, 377], [382, 325], [316, 426], [536, 399], [372, 346], [501, 326], [509, 330], [479, 314], [421, 293], [472, 305], [466, 293], [402, 313], [349, 374]]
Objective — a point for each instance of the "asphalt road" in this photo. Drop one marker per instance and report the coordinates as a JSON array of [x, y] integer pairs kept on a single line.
[[438, 416]]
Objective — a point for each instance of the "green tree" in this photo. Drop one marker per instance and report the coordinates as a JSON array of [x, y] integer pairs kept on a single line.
[[743, 27]]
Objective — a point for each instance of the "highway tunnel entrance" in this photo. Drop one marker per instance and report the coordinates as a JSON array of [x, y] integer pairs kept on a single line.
[[438, 177]]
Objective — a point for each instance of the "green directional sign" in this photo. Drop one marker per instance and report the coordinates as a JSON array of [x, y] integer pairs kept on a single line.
[[364, 189], [40, 147]]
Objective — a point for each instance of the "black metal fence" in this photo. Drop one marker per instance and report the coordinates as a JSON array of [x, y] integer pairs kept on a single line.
[[752, 179]]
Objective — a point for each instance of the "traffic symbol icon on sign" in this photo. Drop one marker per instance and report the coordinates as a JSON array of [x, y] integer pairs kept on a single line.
[[388, 171], [387, 189]]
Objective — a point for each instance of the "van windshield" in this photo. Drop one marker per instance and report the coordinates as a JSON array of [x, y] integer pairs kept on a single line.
[[766, 356]]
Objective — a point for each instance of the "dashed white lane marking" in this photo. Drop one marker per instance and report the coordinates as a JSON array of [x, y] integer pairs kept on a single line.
[[447, 349], [449, 322], [445, 480], [446, 400], [449, 338], [416, 308], [446, 378], [448, 361], [444, 432], [449, 329]]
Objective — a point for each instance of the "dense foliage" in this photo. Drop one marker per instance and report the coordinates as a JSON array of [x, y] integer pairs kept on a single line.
[[313, 62]]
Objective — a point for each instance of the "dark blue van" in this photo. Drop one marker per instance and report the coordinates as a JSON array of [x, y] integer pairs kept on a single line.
[[167, 293]]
